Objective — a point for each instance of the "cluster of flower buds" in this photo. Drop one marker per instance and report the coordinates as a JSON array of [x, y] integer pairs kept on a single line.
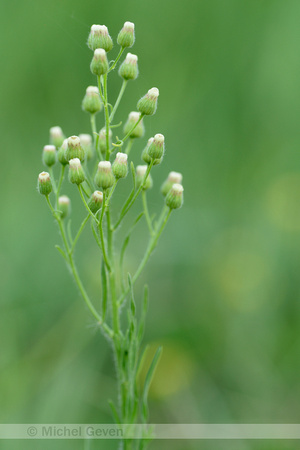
[[61, 154], [173, 177]]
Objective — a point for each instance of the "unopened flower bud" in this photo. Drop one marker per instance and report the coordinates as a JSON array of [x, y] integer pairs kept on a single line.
[[56, 136], [126, 36], [120, 165], [157, 147], [91, 102], [147, 105], [145, 154], [102, 140], [76, 174], [104, 177], [86, 143], [129, 68], [95, 201], [49, 155], [64, 206], [173, 177], [139, 130], [174, 198], [74, 149], [100, 38], [44, 183], [61, 154], [140, 175], [99, 64]]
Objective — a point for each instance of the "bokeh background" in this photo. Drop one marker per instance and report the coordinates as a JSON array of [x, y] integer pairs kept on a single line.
[[224, 281]]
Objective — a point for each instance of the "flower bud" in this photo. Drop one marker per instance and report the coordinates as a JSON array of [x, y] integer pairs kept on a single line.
[[102, 140], [56, 136], [157, 147], [173, 177], [91, 102], [104, 177], [129, 69], [49, 155], [139, 130], [147, 105], [76, 174], [74, 149], [174, 198], [126, 36], [120, 165], [44, 183], [100, 38], [61, 154], [140, 175], [86, 143], [146, 157], [64, 206], [95, 201], [99, 64]]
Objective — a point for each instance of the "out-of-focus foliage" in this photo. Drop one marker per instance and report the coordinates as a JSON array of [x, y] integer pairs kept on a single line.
[[224, 282]]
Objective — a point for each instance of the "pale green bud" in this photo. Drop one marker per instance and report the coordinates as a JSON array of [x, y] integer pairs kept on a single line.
[[120, 165], [157, 147], [61, 154], [95, 201], [99, 64], [76, 174], [140, 175], [49, 155], [44, 183], [139, 130], [91, 102], [173, 177], [104, 177], [102, 140], [100, 38], [74, 149], [126, 36], [64, 206], [86, 143], [146, 157], [129, 69], [56, 136], [174, 198], [147, 105]]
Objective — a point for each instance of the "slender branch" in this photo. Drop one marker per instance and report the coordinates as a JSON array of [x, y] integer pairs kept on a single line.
[[115, 311], [85, 221], [53, 180], [129, 145], [86, 205], [134, 126], [151, 246], [122, 90], [62, 172], [116, 60], [102, 235], [146, 211]]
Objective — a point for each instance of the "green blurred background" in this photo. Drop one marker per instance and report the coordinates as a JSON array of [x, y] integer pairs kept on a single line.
[[224, 281]]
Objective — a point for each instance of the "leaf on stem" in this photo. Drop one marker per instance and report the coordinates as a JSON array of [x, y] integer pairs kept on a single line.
[[114, 412], [61, 252], [147, 384], [144, 313]]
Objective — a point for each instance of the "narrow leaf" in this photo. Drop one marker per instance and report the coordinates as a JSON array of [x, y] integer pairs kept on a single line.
[[62, 252], [148, 380]]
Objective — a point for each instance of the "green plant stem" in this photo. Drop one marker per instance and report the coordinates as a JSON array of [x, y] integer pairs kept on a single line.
[[53, 180], [134, 126], [116, 60], [95, 135], [111, 193], [122, 90], [85, 221], [62, 172], [146, 212], [106, 111], [100, 224], [74, 270], [85, 203], [130, 201], [151, 246], [112, 275], [129, 145]]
